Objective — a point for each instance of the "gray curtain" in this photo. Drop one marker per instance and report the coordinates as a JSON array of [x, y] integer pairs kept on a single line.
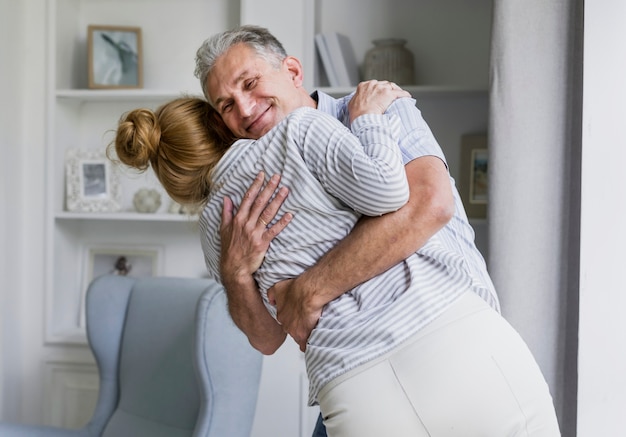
[[534, 182]]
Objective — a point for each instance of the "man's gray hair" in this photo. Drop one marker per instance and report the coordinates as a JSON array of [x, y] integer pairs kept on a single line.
[[258, 38]]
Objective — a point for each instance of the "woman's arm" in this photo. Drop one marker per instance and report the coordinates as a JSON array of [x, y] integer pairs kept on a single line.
[[363, 167]]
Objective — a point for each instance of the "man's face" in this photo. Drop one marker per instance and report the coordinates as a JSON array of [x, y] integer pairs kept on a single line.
[[251, 96]]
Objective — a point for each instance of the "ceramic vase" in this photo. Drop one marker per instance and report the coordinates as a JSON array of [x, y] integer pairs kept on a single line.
[[390, 60]]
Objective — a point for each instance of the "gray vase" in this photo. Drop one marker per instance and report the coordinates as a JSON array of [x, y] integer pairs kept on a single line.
[[390, 60]]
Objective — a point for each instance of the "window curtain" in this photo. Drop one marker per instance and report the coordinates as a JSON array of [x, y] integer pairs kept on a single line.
[[534, 182]]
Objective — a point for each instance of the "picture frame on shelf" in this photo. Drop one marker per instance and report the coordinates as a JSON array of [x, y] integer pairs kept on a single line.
[[115, 57], [474, 179], [103, 259], [92, 183]]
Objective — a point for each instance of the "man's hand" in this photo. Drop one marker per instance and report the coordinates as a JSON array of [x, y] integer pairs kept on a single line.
[[374, 97], [246, 235], [296, 312]]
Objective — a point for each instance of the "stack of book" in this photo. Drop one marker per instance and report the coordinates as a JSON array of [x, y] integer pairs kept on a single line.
[[338, 59]]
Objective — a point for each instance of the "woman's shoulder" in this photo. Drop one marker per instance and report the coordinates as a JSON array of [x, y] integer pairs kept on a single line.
[[235, 150], [297, 116], [306, 117], [235, 154]]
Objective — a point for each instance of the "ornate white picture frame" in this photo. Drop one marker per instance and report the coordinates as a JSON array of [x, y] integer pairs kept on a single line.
[[92, 182]]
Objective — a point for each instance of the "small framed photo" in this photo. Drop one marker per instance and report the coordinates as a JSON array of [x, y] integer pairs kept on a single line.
[[92, 182], [474, 183], [114, 56], [135, 261]]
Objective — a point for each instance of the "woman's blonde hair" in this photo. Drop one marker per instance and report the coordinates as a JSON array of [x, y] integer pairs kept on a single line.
[[182, 141]]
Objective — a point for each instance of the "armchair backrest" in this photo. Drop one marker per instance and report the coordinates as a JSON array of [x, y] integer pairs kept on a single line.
[[172, 363], [229, 370]]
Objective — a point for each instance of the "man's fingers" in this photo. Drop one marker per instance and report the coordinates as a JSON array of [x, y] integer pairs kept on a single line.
[[260, 204], [277, 227], [271, 209], [227, 212], [251, 195]]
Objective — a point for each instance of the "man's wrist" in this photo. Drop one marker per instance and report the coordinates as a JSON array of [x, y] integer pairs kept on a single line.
[[311, 291], [236, 279]]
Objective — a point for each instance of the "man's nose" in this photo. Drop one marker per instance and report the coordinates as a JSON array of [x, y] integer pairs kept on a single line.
[[245, 106]]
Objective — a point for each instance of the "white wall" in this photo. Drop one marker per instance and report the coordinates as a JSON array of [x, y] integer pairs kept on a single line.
[[602, 332], [22, 39], [9, 140]]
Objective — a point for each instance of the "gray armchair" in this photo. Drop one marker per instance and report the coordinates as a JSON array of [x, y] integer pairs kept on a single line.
[[171, 362]]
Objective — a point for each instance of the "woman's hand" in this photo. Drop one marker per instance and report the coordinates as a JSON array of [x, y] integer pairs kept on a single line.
[[374, 97]]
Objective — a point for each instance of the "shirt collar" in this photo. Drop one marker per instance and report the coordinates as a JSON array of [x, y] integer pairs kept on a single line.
[[326, 103]]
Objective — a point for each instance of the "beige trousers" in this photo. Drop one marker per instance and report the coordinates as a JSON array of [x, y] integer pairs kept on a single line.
[[467, 374]]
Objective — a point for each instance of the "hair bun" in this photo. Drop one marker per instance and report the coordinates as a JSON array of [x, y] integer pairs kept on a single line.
[[137, 139]]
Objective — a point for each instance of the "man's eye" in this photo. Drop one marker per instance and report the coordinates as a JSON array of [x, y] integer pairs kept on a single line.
[[250, 83], [227, 107]]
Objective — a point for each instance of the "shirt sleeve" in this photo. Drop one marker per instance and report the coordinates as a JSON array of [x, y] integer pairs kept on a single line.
[[415, 137], [364, 169]]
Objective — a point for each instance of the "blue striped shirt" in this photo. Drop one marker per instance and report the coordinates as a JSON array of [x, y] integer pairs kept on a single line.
[[381, 313]]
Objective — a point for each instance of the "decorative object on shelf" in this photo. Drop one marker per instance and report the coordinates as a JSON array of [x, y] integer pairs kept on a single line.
[[133, 261], [115, 57], [473, 183], [338, 59], [177, 208], [390, 60], [91, 182], [147, 200]]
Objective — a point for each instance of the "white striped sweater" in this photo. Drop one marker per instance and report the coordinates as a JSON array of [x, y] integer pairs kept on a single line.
[[331, 182]]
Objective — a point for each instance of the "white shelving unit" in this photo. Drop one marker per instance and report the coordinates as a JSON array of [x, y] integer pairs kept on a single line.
[[450, 41], [83, 118]]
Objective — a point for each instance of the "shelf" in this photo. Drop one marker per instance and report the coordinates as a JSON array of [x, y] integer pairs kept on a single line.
[[87, 95], [126, 216], [71, 336], [417, 90], [478, 221]]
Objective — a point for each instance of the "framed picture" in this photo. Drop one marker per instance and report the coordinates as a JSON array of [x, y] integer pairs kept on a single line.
[[91, 182], [135, 261], [114, 56], [474, 183]]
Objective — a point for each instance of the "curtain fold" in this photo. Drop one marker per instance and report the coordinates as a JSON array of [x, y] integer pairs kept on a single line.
[[533, 192]]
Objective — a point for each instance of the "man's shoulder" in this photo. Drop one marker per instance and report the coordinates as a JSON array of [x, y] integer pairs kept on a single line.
[[335, 106]]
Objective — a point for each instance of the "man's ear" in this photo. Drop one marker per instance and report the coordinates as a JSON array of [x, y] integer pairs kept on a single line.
[[295, 70]]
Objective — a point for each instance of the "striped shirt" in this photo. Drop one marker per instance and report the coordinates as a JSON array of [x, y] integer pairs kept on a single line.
[[381, 313]]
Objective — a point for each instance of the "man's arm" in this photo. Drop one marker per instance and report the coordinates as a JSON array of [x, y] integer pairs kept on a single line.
[[374, 245], [245, 238]]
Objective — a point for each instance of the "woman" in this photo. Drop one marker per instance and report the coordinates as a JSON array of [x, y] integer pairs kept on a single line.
[[190, 151]]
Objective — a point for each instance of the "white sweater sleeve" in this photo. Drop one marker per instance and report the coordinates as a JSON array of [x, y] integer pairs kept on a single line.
[[363, 168]]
